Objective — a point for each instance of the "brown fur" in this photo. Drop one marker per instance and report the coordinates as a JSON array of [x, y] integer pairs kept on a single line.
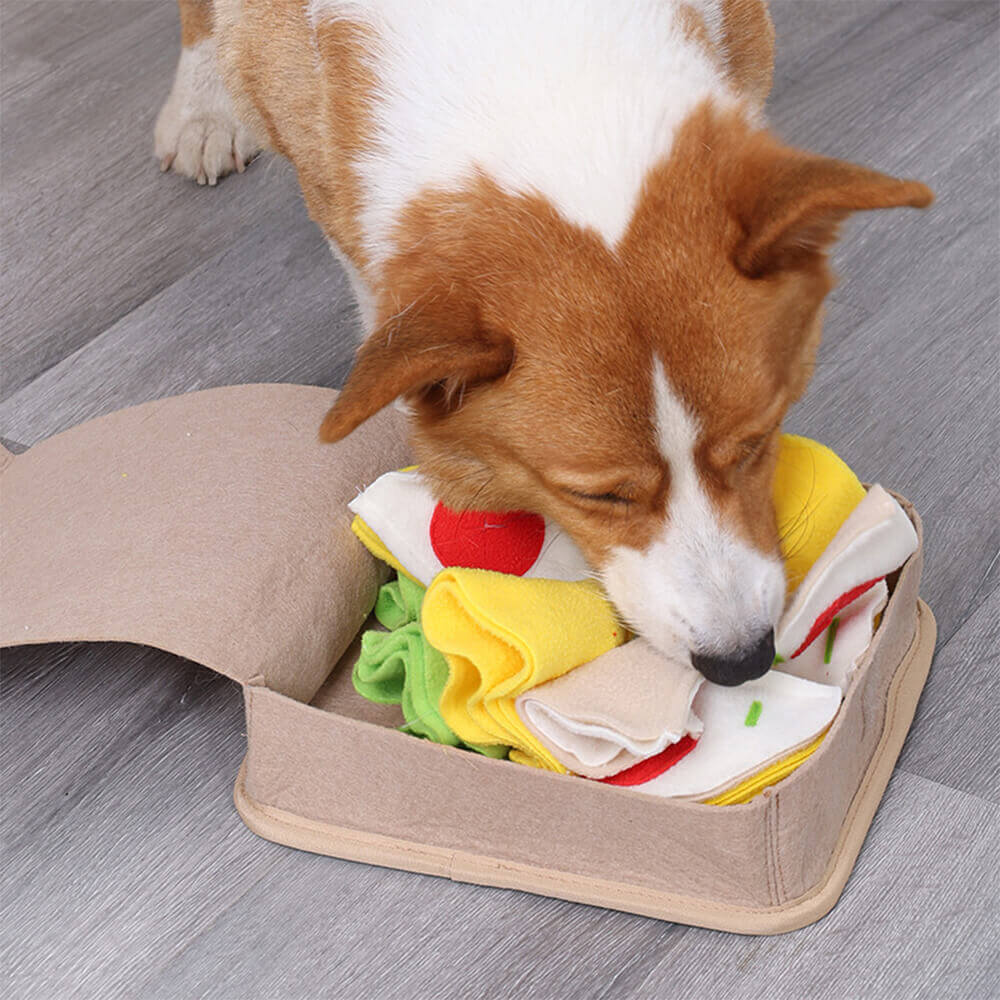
[[525, 344], [318, 115], [316, 112], [350, 87], [747, 55], [748, 38], [196, 20], [695, 30]]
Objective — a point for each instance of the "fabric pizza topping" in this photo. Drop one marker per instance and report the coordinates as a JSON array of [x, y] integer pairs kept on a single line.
[[505, 542]]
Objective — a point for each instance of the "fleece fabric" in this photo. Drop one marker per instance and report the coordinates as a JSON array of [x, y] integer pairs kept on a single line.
[[399, 521], [745, 730], [600, 717], [833, 656], [398, 602], [399, 667], [814, 491], [592, 720], [503, 635], [875, 539]]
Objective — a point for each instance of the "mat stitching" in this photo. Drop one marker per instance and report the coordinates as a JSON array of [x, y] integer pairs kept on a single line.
[[768, 855], [780, 872], [772, 816]]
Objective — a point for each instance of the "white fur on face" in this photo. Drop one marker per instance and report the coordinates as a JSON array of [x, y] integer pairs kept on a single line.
[[571, 99], [697, 587]]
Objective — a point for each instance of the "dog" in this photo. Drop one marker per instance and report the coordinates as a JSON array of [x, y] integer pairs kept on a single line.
[[583, 263]]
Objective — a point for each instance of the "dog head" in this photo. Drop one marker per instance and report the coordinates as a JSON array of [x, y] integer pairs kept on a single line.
[[635, 393]]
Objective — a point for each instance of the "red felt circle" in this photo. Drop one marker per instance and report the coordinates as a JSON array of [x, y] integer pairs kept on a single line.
[[507, 542]]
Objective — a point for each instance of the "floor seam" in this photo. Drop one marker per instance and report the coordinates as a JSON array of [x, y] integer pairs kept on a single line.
[[974, 609], [115, 320], [951, 788], [155, 293]]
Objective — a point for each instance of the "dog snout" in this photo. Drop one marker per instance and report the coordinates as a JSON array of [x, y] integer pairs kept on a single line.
[[746, 663]]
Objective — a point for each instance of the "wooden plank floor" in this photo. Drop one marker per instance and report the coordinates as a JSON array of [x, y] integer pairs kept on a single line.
[[126, 872]]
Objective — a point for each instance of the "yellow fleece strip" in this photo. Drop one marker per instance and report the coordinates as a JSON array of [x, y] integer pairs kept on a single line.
[[495, 653], [814, 491], [771, 775], [503, 635]]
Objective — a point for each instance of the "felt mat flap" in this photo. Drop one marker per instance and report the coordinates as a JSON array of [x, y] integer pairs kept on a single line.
[[213, 525]]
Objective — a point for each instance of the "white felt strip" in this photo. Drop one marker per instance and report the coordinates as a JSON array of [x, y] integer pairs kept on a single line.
[[793, 712], [579, 744], [398, 507], [876, 539], [846, 641]]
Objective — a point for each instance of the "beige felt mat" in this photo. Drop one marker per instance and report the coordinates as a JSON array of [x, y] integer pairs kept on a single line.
[[466, 866], [215, 525]]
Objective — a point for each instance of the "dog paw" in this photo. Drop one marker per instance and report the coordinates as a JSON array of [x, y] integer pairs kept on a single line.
[[197, 133]]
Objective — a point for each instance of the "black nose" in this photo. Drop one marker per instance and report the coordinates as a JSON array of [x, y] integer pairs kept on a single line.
[[741, 665]]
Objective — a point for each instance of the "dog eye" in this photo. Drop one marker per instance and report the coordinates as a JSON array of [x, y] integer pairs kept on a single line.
[[750, 448], [616, 498]]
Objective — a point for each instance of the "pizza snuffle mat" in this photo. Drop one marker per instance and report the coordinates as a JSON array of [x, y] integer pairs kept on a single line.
[[497, 640], [450, 692]]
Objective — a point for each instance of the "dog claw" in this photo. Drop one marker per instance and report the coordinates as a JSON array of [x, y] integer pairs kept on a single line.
[[203, 146]]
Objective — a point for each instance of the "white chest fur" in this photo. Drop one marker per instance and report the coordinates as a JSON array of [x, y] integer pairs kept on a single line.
[[571, 99]]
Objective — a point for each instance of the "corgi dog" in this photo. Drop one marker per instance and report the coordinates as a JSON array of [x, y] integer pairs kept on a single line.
[[583, 263]]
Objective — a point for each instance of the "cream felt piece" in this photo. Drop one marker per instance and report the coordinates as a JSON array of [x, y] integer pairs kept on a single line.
[[875, 540], [592, 720]]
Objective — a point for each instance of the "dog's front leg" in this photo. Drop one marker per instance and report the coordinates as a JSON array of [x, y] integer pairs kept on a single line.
[[197, 132]]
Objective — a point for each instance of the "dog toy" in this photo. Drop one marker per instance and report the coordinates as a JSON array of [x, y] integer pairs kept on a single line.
[[814, 491], [685, 737], [534, 653], [592, 721], [832, 657], [400, 667], [400, 522], [874, 539], [746, 732], [503, 635]]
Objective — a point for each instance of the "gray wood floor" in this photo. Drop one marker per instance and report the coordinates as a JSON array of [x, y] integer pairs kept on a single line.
[[126, 872]]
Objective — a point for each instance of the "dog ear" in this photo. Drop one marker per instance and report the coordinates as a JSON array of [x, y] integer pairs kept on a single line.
[[791, 203], [429, 355]]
